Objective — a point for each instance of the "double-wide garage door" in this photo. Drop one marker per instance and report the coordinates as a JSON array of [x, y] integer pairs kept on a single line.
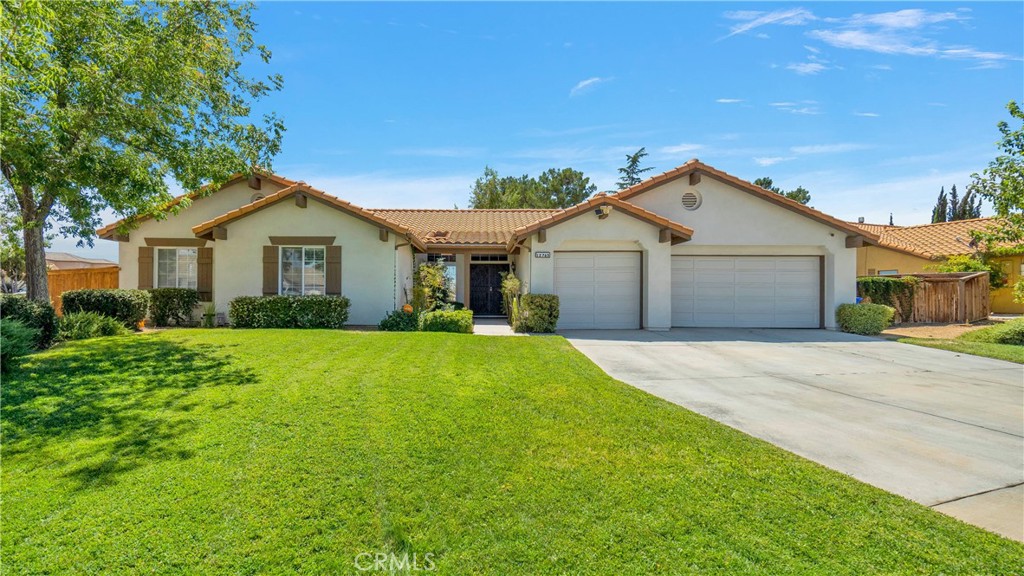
[[598, 289], [746, 291]]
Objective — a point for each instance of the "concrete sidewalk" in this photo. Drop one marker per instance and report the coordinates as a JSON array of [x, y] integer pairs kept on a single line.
[[943, 429]]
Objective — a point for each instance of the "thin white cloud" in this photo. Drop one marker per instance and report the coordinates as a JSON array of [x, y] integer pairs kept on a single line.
[[807, 68], [803, 107], [867, 114], [729, 100], [585, 85], [772, 160], [752, 19], [881, 67], [903, 19], [828, 148], [679, 148]]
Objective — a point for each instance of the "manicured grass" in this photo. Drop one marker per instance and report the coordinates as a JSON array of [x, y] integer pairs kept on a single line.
[[1009, 352], [276, 451]]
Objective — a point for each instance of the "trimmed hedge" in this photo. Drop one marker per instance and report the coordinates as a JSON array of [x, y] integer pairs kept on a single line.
[[897, 293], [16, 340], [400, 321], [129, 307], [289, 311], [175, 305], [866, 319], [83, 325], [37, 315], [535, 313], [1011, 332], [459, 321]]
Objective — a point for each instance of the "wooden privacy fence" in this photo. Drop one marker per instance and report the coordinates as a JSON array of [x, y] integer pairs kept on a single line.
[[950, 297], [61, 281]]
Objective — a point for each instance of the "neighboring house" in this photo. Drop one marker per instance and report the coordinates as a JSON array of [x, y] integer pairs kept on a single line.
[[915, 249], [691, 247], [70, 272], [66, 261]]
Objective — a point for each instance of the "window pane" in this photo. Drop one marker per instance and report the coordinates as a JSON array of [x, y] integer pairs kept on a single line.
[[291, 271], [188, 272], [314, 271], [166, 268]]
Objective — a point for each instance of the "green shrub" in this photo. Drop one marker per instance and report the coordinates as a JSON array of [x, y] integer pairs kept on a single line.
[[83, 325], [175, 305], [968, 263], [129, 307], [1018, 291], [37, 315], [460, 321], [430, 287], [535, 313], [16, 340], [867, 319], [897, 293], [1011, 332], [510, 288], [289, 311], [400, 321]]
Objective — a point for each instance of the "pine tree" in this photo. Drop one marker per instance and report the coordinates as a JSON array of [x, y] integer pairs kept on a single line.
[[954, 205], [941, 207], [890, 219], [631, 171]]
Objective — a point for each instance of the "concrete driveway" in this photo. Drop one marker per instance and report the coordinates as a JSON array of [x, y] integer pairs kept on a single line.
[[943, 429]]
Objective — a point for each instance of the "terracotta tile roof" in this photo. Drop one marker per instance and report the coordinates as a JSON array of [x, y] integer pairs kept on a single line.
[[936, 240], [109, 230], [473, 227], [302, 188], [67, 261], [678, 230], [695, 165], [873, 228]]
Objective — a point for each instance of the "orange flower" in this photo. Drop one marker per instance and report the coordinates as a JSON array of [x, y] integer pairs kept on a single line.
[[407, 308]]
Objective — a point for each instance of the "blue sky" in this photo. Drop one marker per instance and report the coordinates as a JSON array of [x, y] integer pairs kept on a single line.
[[871, 106]]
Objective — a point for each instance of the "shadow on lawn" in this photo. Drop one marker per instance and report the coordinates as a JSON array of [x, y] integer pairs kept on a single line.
[[125, 400]]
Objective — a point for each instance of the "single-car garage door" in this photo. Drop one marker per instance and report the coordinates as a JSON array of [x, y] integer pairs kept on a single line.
[[746, 291], [598, 289]]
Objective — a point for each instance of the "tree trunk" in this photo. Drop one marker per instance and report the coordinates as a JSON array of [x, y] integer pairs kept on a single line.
[[35, 262]]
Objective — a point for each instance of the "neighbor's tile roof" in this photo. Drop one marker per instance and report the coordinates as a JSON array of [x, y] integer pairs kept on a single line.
[[873, 228], [463, 226], [934, 240]]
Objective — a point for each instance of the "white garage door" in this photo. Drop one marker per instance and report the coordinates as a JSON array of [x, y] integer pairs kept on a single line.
[[746, 291], [598, 289]]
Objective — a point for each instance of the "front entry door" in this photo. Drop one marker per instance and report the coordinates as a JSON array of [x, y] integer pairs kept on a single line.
[[485, 288]]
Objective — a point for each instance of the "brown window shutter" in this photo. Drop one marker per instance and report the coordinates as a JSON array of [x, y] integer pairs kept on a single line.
[[145, 267], [333, 262], [271, 254], [204, 274]]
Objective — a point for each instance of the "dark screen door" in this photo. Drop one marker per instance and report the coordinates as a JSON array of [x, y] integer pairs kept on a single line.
[[485, 288]]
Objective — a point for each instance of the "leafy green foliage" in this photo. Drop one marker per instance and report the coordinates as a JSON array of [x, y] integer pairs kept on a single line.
[[799, 194], [430, 287], [536, 313], [16, 340], [459, 321], [289, 312], [1002, 183], [1011, 332], [555, 188], [105, 103], [507, 455], [866, 319], [37, 315], [897, 293], [128, 306], [1018, 291], [172, 306], [967, 263], [631, 172], [510, 289], [83, 325], [1008, 352], [400, 321]]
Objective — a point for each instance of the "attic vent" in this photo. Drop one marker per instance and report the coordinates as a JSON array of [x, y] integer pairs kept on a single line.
[[692, 200], [439, 234], [255, 197]]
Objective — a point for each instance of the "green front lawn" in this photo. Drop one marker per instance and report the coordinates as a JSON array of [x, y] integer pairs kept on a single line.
[[1009, 352], [276, 451]]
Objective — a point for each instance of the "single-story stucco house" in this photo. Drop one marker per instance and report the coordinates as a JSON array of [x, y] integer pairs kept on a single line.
[[691, 247], [916, 249]]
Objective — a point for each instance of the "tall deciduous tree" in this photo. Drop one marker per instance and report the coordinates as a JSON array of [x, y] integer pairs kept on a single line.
[[799, 194], [941, 209], [631, 171], [104, 102], [555, 188]]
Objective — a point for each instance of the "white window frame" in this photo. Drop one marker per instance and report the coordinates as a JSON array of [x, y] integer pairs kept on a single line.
[[889, 272], [189, 282], [302, 289]]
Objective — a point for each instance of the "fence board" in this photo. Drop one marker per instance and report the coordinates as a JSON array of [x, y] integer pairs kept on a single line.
[[955, 297], [60, 281]]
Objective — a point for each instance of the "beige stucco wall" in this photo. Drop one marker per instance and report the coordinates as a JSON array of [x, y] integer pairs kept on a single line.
[[180, 226], [368, 265], [733, 222], [877, 258], [617, 232]]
